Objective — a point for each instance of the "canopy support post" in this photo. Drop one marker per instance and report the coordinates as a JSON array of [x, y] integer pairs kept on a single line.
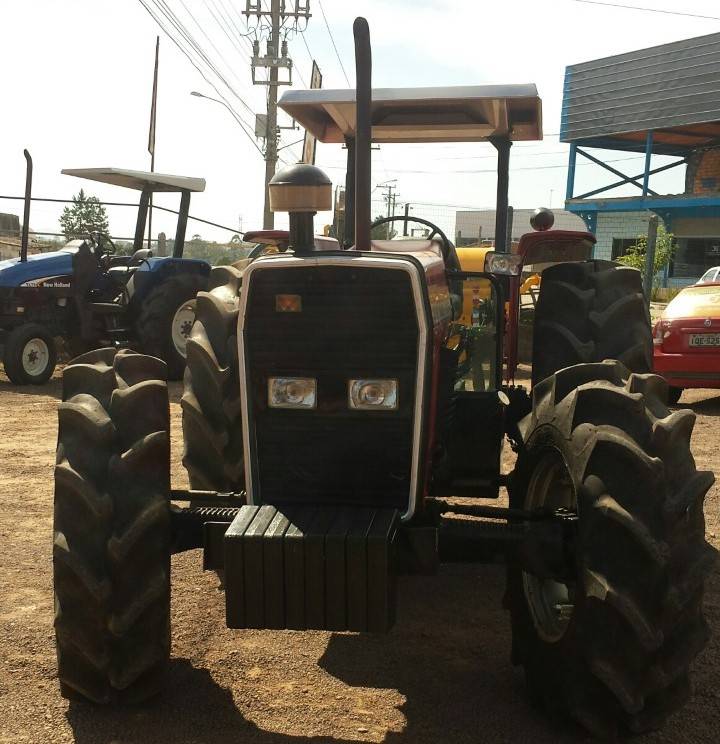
[[502, 145], [181, 224], [141, 220]]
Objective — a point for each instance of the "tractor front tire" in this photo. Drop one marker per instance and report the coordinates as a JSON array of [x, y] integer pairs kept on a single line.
[[587, 312], [30, 355], [166, 318], [111, 548], [212, 430], [612, 643]]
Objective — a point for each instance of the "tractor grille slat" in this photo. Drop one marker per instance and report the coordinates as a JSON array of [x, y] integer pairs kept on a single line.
[[354, 323]]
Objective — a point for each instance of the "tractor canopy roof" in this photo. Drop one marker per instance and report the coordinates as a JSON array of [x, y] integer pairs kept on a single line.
[[138, 180], [445, 114]]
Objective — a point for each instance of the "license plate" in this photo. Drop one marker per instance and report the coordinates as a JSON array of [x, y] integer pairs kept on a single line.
[[705, 339]]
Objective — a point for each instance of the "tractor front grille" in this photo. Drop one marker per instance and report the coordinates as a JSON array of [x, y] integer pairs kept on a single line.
[[353, 322]]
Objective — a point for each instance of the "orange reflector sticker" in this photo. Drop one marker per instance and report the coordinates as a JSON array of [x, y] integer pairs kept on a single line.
[[288, 303]]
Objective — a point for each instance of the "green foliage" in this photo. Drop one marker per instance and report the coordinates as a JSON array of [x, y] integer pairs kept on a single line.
[[664, 294], [216, 254], [664, 251], [383, 232], [86, 215]]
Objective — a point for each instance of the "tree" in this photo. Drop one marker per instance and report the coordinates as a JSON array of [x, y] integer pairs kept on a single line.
[[664, 252], [383, 232], [86, 215]]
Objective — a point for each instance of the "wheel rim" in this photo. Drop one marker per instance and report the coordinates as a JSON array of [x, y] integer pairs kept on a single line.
[[35, 357], [182, 325], [551, 602]]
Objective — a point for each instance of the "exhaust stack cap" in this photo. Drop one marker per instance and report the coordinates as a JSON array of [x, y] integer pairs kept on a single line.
[[542, 219], [300, 188]]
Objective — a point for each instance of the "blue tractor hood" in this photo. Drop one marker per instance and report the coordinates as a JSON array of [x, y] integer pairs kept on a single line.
[[15, 273]]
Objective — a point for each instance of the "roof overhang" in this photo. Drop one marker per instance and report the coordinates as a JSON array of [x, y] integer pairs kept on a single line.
[[450, 114], [679, 140], [138, 180]]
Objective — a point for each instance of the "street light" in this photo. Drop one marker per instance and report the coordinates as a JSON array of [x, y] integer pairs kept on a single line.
[[235, 116]]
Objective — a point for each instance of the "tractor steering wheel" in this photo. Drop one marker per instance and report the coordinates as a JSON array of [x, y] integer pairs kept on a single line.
[[446, 246], [103, 243]]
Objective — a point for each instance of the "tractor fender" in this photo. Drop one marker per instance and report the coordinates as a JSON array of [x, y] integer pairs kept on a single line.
[[154, 271]]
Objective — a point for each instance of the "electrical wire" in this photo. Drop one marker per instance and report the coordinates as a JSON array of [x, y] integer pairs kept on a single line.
[[224, 23], [332, 39], [310, 54], [649, 10], [163, 7], [492, 170], [201, 28], [232, 21], [193, 62], [222, 58]]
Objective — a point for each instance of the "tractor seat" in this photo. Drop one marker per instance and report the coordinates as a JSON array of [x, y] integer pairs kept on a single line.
[[139, 256], [121, 274]]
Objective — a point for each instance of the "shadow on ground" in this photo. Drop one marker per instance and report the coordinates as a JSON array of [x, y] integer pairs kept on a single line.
[[449, 662], [706, 407], [51, 388]]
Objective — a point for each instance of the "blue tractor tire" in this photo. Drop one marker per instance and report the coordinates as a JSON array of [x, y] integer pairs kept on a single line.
[[30, 355], [166, 318]]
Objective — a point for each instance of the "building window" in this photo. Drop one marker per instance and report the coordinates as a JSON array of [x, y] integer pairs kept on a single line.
[[694, 256], [620, 246]]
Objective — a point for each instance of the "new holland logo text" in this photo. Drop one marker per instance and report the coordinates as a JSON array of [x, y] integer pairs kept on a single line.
[[49, 282]]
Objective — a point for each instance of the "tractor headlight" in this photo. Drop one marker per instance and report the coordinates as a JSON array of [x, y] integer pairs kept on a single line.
[[507, 264], [373, 395], [292, 392]]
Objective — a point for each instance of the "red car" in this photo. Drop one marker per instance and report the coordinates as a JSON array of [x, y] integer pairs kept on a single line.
[[687, 340]]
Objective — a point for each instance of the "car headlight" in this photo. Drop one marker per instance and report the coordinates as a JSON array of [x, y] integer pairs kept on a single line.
[[373, 395], [507, 264], [292, 392]]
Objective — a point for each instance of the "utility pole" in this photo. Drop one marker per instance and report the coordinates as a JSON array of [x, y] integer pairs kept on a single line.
[[275, 58], [390, 197], [271, 132]]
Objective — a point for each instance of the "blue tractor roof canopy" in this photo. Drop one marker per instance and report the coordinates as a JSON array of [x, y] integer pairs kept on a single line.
[[138, 180]]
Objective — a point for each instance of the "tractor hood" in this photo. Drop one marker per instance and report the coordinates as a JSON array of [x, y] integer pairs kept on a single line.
[[15, 273]]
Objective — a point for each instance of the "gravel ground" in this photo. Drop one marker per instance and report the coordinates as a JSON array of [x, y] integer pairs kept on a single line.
[[442, 675]]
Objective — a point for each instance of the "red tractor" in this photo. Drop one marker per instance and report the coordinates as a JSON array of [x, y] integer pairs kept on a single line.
[[333, 408]]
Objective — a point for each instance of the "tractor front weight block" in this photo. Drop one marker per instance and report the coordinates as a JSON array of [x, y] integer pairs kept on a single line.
[[321, 568]]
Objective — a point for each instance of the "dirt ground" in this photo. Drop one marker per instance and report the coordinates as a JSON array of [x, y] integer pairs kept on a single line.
[[442, 675]]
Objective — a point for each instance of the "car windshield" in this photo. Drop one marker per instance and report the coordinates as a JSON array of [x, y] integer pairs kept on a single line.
[[709, 275]]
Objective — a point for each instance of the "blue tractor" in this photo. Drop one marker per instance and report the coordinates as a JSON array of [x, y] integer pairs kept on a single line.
[[89, 296]]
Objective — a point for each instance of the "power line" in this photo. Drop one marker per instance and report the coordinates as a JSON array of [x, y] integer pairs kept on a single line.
[[200, 27], [332, 39], [491, 170], [307, 48], [224, 24], [185, 52], [649, 10], [163, 7]]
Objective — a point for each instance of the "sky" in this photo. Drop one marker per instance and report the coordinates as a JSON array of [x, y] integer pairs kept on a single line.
[[77, 78]]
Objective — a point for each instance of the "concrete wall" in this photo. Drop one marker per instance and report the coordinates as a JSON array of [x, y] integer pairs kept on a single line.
[[481, 223], [618, 225]]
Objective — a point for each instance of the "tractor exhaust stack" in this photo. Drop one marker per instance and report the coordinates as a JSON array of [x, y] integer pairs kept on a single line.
[[363, 132], [26, 209]]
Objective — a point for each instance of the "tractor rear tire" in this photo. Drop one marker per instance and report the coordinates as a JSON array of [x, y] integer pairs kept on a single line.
[[166, 318], [111, 548], [612, 647], [587, 312], [30, 355], [212, 430]]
